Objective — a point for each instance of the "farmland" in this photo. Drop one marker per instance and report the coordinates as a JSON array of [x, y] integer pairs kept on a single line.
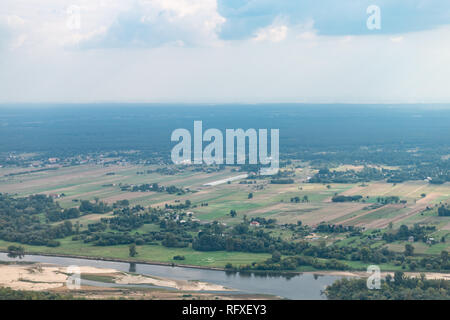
[[213, 202], [88, 182]]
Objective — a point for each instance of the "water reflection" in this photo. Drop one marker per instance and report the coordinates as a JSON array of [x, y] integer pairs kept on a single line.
[[265, 274], [14, 255]]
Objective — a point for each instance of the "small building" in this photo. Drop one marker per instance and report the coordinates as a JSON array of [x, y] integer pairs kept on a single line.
[[411, 239], [254, 224]]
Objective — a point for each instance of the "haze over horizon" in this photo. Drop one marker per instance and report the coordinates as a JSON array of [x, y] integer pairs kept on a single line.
[[217, 51]]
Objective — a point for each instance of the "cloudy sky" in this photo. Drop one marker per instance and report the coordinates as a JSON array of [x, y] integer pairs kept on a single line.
[[213, 51]]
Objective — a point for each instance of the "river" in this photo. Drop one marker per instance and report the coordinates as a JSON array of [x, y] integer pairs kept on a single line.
[[304, 286]]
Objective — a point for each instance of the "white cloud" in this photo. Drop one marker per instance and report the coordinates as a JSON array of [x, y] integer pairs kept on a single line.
[[115, 23], [149, 23], [281, 30], [272, 33], [168, 50]]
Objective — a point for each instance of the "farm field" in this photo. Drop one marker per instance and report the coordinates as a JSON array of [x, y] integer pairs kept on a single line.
[[88, 182], [214, 202]]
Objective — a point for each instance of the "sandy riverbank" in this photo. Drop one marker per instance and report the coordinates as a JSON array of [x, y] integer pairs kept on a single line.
[[41, 277], [183, 285]]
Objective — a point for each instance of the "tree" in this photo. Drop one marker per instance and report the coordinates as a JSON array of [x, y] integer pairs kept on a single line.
[[170, 241], [132, 249], [16, 251], [250, 195], [276, 256], [365, 254], [388, 278], [233, 213], [398, 277], [409, 250], [444, 256]]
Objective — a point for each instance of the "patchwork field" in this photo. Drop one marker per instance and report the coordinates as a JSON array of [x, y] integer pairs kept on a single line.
[[88, 182], [287, 203]]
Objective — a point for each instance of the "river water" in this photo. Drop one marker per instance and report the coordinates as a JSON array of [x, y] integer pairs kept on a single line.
[[305, 286]]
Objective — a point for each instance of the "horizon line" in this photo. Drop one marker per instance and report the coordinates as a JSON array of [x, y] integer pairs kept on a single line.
[[200, 103]]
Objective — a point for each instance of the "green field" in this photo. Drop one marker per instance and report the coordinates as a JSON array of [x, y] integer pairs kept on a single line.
[[147, 253]]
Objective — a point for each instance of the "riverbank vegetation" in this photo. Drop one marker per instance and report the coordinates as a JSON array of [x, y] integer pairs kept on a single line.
[[10, 294], [274, 247], [399, 287]]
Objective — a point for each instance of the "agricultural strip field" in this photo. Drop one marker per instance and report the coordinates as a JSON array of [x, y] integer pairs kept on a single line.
[[88, 182]]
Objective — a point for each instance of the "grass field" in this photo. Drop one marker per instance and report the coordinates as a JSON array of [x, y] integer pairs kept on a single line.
[[147, 253]]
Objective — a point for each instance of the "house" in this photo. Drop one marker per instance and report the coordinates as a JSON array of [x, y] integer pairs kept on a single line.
[[254, 224], [411, 239]]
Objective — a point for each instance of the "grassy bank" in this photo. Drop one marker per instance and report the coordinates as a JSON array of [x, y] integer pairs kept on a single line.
[[146, 253]]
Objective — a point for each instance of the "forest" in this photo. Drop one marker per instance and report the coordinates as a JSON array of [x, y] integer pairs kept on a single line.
[[397, 287]]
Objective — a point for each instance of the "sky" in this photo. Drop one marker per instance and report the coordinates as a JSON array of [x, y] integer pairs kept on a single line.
[[225, 51]]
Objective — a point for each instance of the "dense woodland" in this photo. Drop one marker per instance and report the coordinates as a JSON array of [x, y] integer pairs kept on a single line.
[[21, 220], [415, 138], [444, 211], [437, 172], [154, 187], [398, 287], [9, 294]]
